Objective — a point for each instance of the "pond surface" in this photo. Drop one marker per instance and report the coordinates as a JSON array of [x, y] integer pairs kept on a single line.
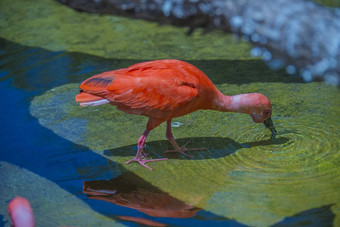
[[68, 161]]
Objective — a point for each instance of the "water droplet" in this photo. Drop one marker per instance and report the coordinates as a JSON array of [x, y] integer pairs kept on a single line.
[[176, 124], [236, 21], [204, 7], [166, 8], [257, 16], [321, 66], [290, 69], [255, 52], [266, 55], [248, 27], [255, 37], [178, 12], [307, 76]]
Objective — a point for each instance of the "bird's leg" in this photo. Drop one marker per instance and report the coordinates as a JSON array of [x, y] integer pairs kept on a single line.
[[178, 149], [141, 155]]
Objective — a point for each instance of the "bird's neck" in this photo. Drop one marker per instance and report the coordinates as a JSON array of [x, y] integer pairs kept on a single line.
[[237, 103]]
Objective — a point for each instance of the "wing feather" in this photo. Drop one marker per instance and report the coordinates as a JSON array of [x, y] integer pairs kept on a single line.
[[97, 84], [150, 93], [162, 85]]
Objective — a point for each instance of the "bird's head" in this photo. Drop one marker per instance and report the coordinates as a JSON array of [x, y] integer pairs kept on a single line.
[[255, 104], [260, 108], [261, 111]]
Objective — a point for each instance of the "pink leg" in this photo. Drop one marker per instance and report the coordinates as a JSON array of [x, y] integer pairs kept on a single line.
[[141, 155], [178, 149]]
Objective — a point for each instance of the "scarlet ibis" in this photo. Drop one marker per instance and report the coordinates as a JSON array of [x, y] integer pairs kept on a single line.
[[163, 90]]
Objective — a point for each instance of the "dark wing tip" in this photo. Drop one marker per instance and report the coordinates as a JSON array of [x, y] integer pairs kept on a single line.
[[97, 82]]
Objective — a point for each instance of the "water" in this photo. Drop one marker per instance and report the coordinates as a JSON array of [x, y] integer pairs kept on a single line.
[[68, 161]]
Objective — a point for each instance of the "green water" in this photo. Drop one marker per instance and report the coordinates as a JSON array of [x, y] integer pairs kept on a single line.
[[243, 175]]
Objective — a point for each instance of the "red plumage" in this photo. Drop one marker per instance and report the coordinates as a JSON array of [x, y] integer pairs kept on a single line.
[[163, 90]]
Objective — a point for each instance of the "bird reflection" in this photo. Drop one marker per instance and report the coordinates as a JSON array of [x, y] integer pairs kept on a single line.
[[131, 191]]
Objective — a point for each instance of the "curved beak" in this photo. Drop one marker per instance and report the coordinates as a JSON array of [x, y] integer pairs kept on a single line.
[[269, 124]]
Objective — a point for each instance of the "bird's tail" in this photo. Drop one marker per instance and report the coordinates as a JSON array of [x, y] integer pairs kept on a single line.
[[86, 99]]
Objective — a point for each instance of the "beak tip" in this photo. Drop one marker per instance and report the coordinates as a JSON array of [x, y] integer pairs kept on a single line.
[[269, 124]]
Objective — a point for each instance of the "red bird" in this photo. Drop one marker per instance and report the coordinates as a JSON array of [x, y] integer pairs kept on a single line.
[[163, 90]]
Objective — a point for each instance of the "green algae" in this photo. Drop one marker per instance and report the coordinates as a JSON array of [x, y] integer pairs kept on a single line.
[[242, 171], [50, 25], [329, 3]]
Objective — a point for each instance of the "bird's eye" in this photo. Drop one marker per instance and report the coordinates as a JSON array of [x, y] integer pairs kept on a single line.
[[267, 112]]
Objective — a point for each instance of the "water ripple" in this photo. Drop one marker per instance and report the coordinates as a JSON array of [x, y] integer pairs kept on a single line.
[[309, 157]]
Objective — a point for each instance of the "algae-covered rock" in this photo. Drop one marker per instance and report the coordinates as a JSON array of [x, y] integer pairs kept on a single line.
[[51, 204], [50, 25]]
